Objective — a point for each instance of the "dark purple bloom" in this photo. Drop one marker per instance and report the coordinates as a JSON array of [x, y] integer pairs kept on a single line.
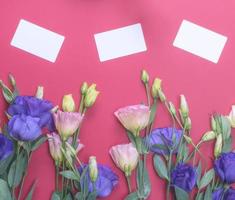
[[24, 128], [105, 182], [218, 194], [6, 147], [165, 137], [184, 176], [224, 167], [33, 107], [222, 193]]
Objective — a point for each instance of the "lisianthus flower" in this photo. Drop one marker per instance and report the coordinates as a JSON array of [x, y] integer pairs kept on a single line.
[[184, 176], [67, 123], [6, 147], [105, 182], [221, 193], [167, 137], [224, 167], [125, 156], [24, 128], [134, 118], [33, 107], [55, 145]]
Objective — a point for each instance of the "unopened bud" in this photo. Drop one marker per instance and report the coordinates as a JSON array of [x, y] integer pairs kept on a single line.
[[161, 95], [91, 96], [184, 106], [188, 139], [188, 124], [39, 93], [218, 145], [145, 76], [12, 80], [93, 169], [84, 88], [210, 135], [213, 123], [172, 108], [156, 87], [68, 104]]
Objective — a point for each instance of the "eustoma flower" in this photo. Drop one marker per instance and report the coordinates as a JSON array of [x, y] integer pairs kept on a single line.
[[24, 128], [67, 123], [221, 193], [167, 137], [6, 147], [224, 167], [55, 145], [134, 118], [33, 107], [125, 156], [105, 182], [184, 176]]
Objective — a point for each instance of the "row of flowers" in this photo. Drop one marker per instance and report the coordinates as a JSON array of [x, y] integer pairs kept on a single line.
[[174, 152]]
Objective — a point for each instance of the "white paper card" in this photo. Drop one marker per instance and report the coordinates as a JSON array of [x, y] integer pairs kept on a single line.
[[37, 40], [200, 41], [120, 42]]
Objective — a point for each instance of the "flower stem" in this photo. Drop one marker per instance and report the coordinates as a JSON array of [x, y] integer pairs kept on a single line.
[[57, 177], [147, 92], [169, 176], [128, 183]]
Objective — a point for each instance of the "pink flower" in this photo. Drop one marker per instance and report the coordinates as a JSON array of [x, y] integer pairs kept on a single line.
[[67, 123], [134, 118], [125, 156], [55, 145]]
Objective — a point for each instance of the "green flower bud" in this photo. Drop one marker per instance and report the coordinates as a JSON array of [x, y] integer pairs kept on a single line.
[[91, 96], [218, 145], [188, 139], [145, 76], [210, 135], [188, 124], [84, 88], [93, 169], [156, 87], [68, 103], [184, 106], [12, 80], [161, 95], [213, 123], [40, 92]]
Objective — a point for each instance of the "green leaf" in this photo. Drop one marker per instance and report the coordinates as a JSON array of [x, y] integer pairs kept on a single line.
[[17, 170], [4, 164], [79, 196], [200, 196], [160, 167], [30, 194], [7, 93], [92, 196], [226, 127], [181, 194], [4, 191], [131, 137], [55, 196], [199, 173], [208, 193], [38, 142], [69, 197], [132, 196], [70, 175], [207, 178], [227, 145], [153, 111]]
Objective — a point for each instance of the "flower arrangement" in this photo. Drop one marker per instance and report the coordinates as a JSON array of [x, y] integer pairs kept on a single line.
[[173, 152]]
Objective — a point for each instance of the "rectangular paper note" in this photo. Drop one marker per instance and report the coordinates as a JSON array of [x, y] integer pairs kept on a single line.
[[37, 40], [120, 42], [200, 41]]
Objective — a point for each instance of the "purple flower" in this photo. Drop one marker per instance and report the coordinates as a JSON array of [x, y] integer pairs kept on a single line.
[[221, 193], [166, 137], [224, 167], [105, 182], [33, 107], [24, 128], [6, 147], [184, 176]]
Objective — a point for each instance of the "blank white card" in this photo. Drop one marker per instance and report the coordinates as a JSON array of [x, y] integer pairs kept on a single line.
[[200, 41], [37, 40], [120, 42]]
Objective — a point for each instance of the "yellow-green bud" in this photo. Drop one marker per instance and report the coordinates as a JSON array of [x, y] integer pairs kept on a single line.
[[40, 92], [188, 139], [68, 103], [210, 135], [144, 76], [183, 106], [12, 80], [218, 145], [84, 88], [187, 124], [213, 123], [93, 169], [156, 87], [172, 108], [91, 96], [161, 95]]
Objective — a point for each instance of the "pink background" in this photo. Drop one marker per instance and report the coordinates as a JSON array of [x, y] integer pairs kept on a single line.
[[208, 87]]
